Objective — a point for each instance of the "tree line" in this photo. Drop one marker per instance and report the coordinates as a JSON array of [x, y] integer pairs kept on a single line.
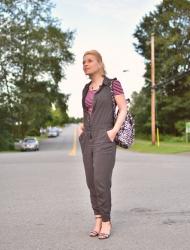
[[170, 23], [34, 53]]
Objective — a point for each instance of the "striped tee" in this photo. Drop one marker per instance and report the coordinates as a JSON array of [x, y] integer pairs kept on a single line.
[[117, 90]]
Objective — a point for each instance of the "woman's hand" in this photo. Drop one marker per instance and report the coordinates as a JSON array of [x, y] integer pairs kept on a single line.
[[111, 134], [80, 129]]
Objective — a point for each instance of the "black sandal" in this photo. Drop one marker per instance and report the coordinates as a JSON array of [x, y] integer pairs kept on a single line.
[[103, 236], [94, 233]]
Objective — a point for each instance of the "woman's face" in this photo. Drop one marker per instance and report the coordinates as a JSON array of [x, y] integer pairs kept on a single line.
[[91, 65]]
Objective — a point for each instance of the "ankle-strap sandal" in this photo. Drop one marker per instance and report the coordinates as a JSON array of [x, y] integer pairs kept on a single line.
[[103, 236], [95, 233]]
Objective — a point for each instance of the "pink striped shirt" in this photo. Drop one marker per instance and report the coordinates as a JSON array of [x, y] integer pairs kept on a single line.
[[117, 90]]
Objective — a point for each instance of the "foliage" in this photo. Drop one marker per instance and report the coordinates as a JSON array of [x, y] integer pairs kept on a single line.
[[75, 120], [57, 118], [34, 53], [170, 24]]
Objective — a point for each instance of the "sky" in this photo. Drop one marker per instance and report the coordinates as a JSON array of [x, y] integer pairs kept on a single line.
[[107, 26]]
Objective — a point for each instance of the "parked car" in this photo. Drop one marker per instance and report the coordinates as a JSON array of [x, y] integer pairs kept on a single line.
[[53, 132], [60, 130], [17, 144], [43, 131], [31, 144]]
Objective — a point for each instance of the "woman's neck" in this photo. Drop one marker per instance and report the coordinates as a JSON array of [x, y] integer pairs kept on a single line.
[[96, 80]]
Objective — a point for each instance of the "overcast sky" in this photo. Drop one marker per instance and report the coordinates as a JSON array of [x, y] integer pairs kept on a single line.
[[107, 26]]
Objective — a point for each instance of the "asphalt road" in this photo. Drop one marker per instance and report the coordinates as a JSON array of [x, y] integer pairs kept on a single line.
[[44, 200]]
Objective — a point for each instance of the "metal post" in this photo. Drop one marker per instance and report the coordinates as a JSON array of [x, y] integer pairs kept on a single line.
[[153, 92]]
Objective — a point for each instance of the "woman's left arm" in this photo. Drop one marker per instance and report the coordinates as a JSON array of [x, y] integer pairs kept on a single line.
[[122, 106]]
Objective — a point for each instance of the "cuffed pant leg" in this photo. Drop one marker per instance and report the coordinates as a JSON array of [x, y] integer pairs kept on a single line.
[[104, 161], [89, 172]]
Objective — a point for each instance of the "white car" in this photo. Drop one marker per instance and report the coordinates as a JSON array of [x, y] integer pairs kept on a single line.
[[53, 132], [30, 144]]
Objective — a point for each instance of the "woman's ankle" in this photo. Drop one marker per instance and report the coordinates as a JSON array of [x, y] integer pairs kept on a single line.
[[106, 221], [98, 216]]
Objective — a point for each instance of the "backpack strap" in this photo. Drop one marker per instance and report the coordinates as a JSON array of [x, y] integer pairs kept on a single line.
[[113, 98]]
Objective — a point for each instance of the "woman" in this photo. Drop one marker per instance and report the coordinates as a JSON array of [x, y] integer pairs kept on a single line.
[[96, 136]]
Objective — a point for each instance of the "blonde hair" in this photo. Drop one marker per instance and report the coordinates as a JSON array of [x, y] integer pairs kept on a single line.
[[99, 59]]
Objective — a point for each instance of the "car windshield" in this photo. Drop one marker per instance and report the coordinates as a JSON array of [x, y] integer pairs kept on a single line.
[[29, 140]]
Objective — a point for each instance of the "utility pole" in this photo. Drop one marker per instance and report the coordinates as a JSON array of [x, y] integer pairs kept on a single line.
[[153, 92]]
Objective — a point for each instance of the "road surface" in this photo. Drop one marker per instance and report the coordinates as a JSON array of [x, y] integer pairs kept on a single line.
[[45, 205]]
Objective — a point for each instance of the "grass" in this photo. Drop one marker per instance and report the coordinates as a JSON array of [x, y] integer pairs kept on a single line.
[[169, 147], [41, 137]]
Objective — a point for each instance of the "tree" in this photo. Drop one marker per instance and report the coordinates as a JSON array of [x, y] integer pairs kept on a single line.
[[170, 23], [34, 54]]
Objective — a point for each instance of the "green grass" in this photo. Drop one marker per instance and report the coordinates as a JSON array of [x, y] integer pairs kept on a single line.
[[164, 148], [41, 137]]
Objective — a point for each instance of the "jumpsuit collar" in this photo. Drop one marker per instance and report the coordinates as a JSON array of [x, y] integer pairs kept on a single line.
[[106, 82]]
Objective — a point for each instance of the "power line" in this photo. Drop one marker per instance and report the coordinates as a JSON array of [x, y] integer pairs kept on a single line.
[[168, 81]]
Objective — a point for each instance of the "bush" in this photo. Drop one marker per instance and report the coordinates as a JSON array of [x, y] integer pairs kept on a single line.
[[33, 132], [180, 127], [170, 138], [6, 141]]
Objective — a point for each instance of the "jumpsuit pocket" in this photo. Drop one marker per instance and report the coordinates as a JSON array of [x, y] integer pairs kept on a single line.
[[107, 137], [80, 136], [82, 142]]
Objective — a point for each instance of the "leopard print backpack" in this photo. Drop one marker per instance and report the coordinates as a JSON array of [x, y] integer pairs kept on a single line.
[[126, 135]]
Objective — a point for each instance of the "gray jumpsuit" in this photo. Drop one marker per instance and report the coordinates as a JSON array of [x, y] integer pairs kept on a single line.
[[98, 150]]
